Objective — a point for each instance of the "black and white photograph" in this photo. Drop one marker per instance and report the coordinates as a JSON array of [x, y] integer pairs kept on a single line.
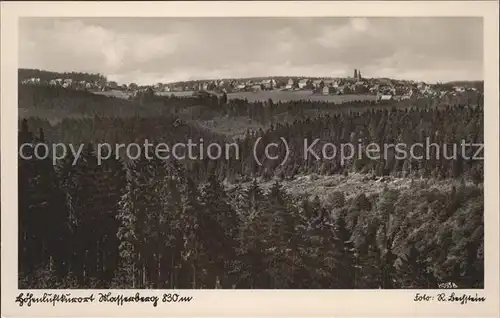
[[238, 158], [251, 153]]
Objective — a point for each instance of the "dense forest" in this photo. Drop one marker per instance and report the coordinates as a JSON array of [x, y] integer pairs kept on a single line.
[[210, 224]]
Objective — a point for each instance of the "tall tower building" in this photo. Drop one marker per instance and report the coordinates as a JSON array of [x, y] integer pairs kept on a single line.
[[359, 76], [355, 73]]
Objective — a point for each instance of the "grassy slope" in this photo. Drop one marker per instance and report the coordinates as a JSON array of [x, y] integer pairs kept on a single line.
[[355, 184]]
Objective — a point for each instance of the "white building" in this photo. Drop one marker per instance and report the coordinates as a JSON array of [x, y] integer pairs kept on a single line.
[[302, 83], [328, 90], [269, 83], [384, 97]]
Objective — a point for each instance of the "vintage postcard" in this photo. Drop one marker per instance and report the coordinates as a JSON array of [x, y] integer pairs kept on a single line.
[[250, 159]]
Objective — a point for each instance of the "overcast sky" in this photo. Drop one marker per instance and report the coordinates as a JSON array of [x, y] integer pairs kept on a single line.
[[151, 50]]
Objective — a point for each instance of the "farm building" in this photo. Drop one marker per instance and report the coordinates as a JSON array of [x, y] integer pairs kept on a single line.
[[302, 83], [269, 83], [66, 82], [241, 86], [384, 98], [328, 90], [290, 84], [112, 85], [318, 83], [256, 87]]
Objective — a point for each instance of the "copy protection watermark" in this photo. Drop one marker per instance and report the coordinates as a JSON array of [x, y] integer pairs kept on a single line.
[[103, 151], [279, 150], [427, 150]]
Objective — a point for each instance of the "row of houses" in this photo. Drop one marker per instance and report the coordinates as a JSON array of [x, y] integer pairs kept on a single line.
[[70, 83], [66, 82], [422, 90], [384, 89], [265, 84], [33, 80]]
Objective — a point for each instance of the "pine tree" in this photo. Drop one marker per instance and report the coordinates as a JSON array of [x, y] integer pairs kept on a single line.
[[192, 252], [112, 179], [389, 225], [171, 234], [323, 249], [86, 208], [142, 220], [370, 267], [28, 239], [279, 233], [414, 272], [218, 229], [43, 218], [251, 238], [126, 275], [346, 255]]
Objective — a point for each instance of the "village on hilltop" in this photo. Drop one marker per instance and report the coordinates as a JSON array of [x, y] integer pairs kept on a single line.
[[383, 88]]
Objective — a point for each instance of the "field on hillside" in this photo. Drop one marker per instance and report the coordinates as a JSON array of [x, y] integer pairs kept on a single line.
[[113, 93], [309, 186], [292, 96], [265, 95], [230, 127], [297, 95]]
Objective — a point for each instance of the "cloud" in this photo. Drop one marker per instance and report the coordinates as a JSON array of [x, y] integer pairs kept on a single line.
[[360, 24], [76, 45], [150, 50]]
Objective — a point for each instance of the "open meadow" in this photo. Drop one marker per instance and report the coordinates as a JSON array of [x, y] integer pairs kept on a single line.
[[297, 95], [276, 95]]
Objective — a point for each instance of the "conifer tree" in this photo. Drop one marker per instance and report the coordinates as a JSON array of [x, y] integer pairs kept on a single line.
[[218, 229], [141, 216], [347, 266], [191, 273], [413, 272], [43, 218], [279, 232], [252, 237], [171, 233]]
